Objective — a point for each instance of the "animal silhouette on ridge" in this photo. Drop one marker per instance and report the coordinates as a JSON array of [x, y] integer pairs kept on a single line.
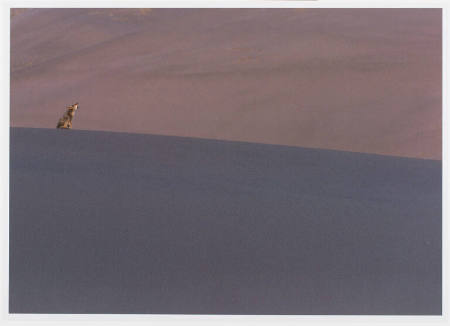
[[66, 121]]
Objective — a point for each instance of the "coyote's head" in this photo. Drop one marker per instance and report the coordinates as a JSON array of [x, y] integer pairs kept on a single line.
[[73, 107]]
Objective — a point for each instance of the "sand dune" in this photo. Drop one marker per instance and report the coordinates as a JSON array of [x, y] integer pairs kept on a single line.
[[126, 223], [365, 80]]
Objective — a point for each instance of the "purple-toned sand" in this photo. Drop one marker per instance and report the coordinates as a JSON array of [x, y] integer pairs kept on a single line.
[[125, 223], [242, 176], [364, 80]]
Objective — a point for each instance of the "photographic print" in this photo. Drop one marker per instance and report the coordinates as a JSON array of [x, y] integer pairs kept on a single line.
[[232, 161]]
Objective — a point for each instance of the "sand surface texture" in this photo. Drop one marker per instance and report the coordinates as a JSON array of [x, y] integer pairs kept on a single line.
[[363, 80], [125, 223]]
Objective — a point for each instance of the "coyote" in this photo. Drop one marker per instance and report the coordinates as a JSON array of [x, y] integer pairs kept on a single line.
[[66, 121]]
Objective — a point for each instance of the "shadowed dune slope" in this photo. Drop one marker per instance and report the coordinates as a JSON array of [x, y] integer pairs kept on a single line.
[[124, 223], [363, 80]]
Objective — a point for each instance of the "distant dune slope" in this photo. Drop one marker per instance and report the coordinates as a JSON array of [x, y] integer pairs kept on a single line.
[[364, 80], [124, 223]]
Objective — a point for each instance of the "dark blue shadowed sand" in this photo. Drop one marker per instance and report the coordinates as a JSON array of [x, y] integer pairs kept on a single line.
[[125, 223]]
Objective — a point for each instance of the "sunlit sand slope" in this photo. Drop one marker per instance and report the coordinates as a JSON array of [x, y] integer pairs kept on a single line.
[[364, 80]]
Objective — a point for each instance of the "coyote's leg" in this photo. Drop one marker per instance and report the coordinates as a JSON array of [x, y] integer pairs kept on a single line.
[[64, 124]]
